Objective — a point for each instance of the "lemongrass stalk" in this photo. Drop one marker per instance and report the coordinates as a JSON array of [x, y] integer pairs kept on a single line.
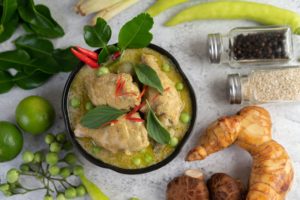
[[115, 9], [90, 6]]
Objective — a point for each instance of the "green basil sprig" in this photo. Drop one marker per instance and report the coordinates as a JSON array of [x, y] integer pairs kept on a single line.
[[155, 129], [148, 76], [100, 116]]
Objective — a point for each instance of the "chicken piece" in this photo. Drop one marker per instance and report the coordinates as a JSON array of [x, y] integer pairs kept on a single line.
[[102, 90], [125, 135], [167, 106]]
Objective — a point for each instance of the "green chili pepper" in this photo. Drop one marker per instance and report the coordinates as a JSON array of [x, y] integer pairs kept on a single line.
[[262, 13], [162, 5], [94, 192]]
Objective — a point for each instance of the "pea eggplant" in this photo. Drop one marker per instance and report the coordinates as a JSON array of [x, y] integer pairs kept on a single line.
[[262, 13]]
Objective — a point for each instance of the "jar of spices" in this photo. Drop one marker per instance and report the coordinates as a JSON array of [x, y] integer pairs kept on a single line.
[[263, 86], [251, 46]]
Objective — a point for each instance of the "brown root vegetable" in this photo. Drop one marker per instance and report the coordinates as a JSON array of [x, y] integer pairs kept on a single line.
[[190, 186], [223, 187]]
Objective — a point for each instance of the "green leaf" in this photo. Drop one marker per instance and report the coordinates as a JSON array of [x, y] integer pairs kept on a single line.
[[98, 35], [136, 33], [39, 19], [148, 76], [9, 28], [35, 46], [9, 9], [103, 55], [155, 129], [6, 82], [65, 59], [100, 116], [31, 81]]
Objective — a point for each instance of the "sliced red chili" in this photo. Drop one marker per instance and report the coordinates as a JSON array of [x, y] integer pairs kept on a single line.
[[135, 119], [145, 88], [85, 59], [88, 53], [135, 109]]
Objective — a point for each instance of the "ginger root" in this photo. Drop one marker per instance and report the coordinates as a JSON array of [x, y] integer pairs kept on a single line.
[[272, 171], [190, 186]]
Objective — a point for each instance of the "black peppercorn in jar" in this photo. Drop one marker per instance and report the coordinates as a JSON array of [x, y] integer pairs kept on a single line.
[[251, 46]]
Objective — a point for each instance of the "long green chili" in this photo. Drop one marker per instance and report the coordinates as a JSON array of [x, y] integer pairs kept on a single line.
[[162, 5], [262, 13]]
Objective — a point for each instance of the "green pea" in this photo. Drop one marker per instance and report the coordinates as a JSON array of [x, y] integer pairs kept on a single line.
[[4, 187], [102, 71], [68, 146], [49, 138], [24, 168], [89, 106], [70, 158], [80, 191], [179, 86], [78, 170], [55, 147], [12, 175], [137, 161], [70, 193], [27, 157], [38, 157], [173, 142], [48, 197], [185, 117], [148, 158], [75, 102], [52, 158], [166, 67], [60, 197], [96, 150], [65, 172], [54, 170], [61, 137]]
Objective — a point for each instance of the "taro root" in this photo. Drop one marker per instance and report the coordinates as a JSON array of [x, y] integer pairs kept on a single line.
[[190, 186], [223, 187]]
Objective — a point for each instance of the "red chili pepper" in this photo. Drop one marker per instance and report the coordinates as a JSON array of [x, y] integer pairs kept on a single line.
[[116, 55], [145, 88], [85, 59], [118, 86], [110, 122], [135, 119], [88, 53], [135, 109]]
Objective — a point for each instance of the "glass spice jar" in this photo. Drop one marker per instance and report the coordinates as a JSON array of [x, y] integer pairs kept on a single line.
[[265, 86], [251, 46]]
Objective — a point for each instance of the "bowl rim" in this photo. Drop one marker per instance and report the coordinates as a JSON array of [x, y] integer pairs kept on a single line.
[[150, 168]]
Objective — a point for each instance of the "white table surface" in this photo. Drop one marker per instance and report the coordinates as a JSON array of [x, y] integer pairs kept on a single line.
[[187, 43]]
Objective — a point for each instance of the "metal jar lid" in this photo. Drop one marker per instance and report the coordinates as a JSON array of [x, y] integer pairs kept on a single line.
[[234, 88], [214, 42]]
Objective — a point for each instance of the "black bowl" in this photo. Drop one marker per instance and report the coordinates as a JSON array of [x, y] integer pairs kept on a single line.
[[117, 169]]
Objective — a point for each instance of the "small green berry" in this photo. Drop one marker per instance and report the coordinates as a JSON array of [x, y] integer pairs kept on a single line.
[[166, 67], [68, 146], [102, 71], [24, 168], [4, 187], [54, 170], [179, 86], [28, 157], [49, 138], [65, 172], [38, 157], [148, 158], [96, 150], [55, 147], [61, 137], [70, 158], [185, 117], [78, 170], [173, 141], [89, 106], [70, 193], [52, 158], [48, 197], [75, 102], [12, 175], [137, 161], [80, 191], [60, 197]]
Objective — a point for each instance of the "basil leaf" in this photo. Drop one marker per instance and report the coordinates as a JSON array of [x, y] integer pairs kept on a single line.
[[103, 55], [100, 116], [6, 82], [155, 129], [39, 19], [31, 81], [65, 59], [9, 28], [9, 9], [148, 76], [135, 33], [35, 46], [98, 35]]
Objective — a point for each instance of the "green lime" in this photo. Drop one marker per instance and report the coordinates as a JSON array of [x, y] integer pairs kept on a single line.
[[35, 115], [11, 141]]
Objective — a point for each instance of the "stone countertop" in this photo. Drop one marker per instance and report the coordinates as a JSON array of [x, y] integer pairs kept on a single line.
[[187, 42]]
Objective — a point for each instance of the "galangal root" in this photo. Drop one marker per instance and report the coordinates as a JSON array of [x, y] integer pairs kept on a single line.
[[272, 171]]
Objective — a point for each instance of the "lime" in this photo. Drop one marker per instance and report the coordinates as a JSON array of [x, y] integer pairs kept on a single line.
[[35, 115], [11, 141]]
